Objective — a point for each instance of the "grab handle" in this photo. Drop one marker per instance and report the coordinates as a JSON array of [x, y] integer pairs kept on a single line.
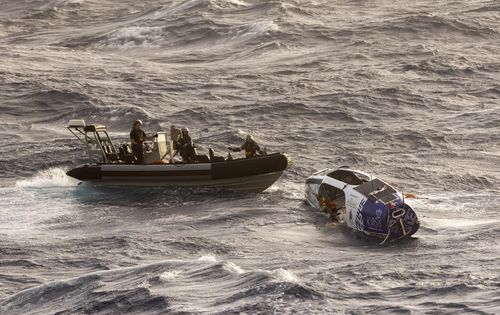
[[398, 213]]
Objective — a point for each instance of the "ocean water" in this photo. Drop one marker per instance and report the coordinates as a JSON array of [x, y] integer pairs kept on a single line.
[[406, 90]]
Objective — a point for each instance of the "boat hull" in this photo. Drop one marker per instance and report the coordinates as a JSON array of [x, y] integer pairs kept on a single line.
[[372, 207], [252, 175]]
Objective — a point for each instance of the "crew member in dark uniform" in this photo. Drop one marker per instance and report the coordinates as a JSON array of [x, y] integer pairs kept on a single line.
[[137, 137], [251, 147], [184, 145]]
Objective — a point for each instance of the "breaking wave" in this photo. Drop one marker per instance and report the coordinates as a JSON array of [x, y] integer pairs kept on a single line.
[[134, 36], [172, 285]]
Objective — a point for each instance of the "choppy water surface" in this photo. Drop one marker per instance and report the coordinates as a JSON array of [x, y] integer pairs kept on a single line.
[[407, 91]]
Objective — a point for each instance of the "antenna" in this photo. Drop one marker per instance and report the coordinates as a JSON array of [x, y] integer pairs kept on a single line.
[[403, 194], [373, 186]]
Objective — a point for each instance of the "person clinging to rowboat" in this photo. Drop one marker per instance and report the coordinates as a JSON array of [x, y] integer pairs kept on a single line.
[[137, 138], [252, 149]]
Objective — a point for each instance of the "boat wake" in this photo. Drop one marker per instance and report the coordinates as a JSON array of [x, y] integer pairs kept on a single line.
[[53, 177]]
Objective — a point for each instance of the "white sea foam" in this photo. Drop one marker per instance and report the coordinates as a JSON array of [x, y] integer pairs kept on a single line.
[[208, 258], [256, 29], [262, 27], [53, 177], [169, 275], [285, 275], [235, 2], [457, 223], [233, 268], [183, 5], [133, 36], [68, 2]]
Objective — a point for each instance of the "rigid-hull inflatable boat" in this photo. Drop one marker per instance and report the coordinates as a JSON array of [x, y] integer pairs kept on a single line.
[[160, 169]]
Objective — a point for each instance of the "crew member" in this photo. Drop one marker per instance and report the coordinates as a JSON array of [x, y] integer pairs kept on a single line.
[[184, 145], [137, 138], [251, 147], [331, 201]]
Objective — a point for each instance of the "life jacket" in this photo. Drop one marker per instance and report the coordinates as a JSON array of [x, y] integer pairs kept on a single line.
[[250, 149]]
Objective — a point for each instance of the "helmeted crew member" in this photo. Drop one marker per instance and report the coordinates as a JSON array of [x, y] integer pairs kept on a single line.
[[137, 138], [184, 145], [251, 147]]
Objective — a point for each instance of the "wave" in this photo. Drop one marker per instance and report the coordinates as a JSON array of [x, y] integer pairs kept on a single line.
[[493, 92], [193, 32], [279, 110], [53, 9], [57, 106], [443, 67], [45, 14], [435, 25], [185, 6], [179, 25], [170, 285], [463, 181], [486, 8], [133, 36]]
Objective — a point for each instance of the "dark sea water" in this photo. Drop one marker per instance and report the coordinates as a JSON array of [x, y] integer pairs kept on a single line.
[[406, 90]]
